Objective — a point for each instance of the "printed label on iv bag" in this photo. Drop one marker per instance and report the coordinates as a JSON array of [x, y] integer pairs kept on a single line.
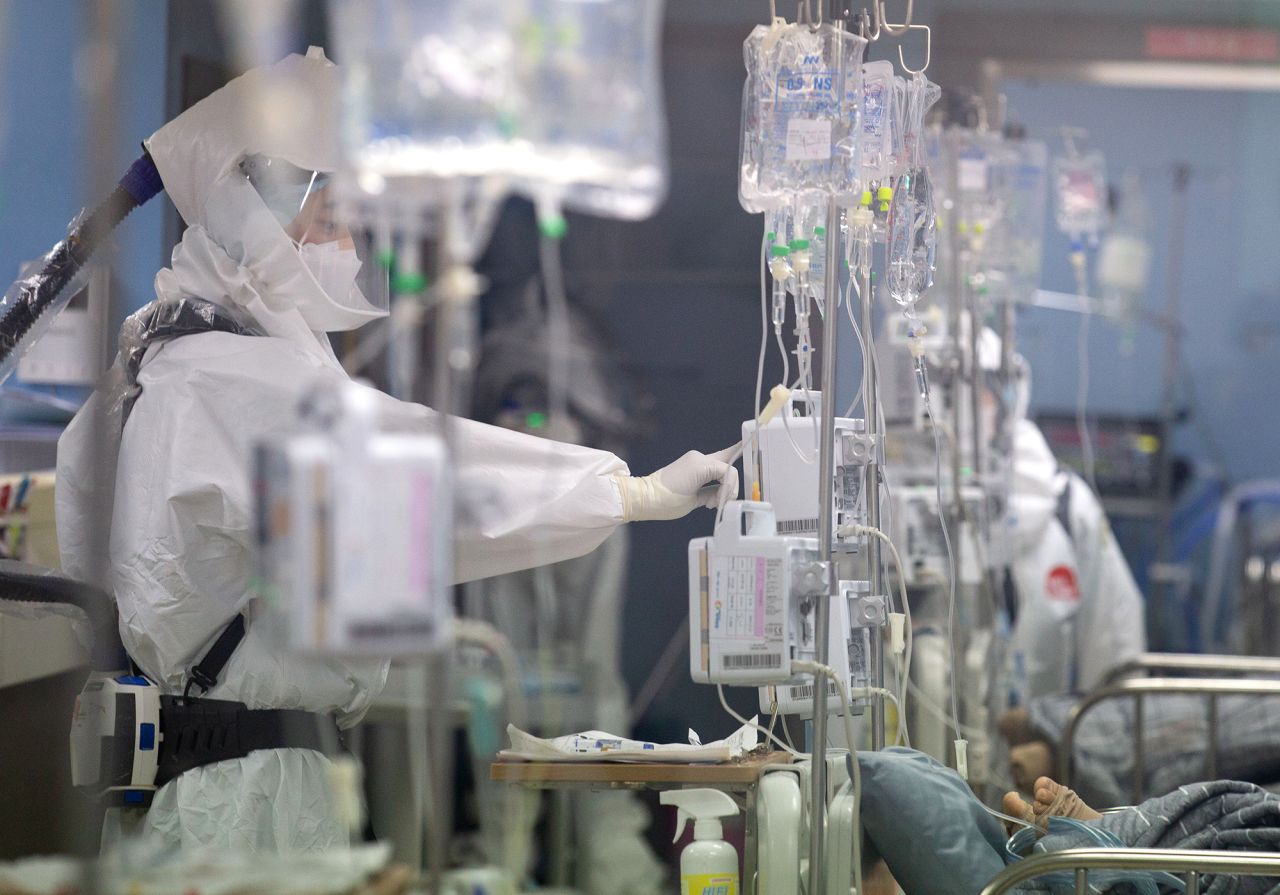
[[808, 139], [971, 174]]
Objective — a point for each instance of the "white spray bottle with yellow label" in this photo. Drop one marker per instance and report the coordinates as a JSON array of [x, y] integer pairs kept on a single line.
[[708, 865]]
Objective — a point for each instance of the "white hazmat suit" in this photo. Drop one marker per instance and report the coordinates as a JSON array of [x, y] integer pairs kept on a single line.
[[1079, 612], [173, 488]]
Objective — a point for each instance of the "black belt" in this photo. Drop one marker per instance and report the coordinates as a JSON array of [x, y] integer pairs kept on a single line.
[[198, 731]]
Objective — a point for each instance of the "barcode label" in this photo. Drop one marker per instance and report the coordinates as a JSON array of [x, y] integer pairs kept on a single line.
[[797, 525], [376, 630], [751, 660], [806, 691]]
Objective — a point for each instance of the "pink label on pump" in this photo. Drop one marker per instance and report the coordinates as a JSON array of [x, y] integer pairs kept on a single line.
[[760, 573]]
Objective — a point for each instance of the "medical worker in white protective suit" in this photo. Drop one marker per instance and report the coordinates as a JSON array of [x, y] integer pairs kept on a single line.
[[178, 498], [1077, 611]]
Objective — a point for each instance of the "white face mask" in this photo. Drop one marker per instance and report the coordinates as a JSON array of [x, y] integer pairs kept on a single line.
[[335, 269]]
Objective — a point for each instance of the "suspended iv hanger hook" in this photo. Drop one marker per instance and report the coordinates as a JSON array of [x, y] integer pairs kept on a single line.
[[928, 50], [891, 29], [867, 18]]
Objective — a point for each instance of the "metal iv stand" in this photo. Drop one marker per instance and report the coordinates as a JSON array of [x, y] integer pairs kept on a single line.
[[826, 507]]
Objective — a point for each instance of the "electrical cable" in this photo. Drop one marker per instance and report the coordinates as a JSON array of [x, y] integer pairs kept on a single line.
[[661, 672], [743, 721], [901, 700], [818, 671]]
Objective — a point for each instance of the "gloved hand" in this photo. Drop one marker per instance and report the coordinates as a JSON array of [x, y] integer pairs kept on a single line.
[[676, 489]]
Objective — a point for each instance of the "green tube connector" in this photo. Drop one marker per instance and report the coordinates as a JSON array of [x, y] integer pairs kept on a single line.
[[799, 245], [780, 251], [553, 227], [409, 283]]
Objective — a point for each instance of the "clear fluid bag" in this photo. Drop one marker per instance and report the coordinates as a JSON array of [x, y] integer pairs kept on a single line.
[[1027, 190], [912, 233], [757, 106], [1080, 190], [810, 125], [877, 121], [559, 98]]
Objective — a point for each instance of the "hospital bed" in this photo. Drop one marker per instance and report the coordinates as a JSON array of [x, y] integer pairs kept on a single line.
[[1192, 866], [1214, 677]]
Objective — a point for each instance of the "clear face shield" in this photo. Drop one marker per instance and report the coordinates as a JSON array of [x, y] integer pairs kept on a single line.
[[343, 261]]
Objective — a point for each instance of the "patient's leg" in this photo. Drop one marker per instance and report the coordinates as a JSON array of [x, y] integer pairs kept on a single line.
[[1015, 727], [1029, 762]]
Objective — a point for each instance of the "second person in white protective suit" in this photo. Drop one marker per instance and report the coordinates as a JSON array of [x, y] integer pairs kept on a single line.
[[1078, 612], [156, 466]]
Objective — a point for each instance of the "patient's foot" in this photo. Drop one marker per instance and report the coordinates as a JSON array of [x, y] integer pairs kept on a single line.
[[1056, 800], [1015, 805], [1052, 799], [1029, 762], [1015, 727]]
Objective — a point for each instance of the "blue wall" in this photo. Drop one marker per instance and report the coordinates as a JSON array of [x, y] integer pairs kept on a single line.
[[1231, 268], [45, 144]]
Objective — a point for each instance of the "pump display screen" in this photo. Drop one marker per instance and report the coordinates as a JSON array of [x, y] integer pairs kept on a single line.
[[1127, 450]]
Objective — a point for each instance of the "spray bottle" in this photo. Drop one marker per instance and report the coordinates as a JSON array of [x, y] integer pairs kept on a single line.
[[708, 865]]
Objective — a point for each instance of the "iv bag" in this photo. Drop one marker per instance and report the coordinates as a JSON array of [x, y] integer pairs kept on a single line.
[[1080, 188], [1027, 181], [810, 102], [913, 234], [558, 99], [877, 121]]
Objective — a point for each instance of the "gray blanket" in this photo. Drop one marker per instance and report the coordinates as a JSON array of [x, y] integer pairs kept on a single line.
[[1223, 815], [1176, 742]]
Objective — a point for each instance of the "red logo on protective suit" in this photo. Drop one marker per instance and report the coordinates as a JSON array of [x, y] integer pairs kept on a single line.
[[1062, 585]]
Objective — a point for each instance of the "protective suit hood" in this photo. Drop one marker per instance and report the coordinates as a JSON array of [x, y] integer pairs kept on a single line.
[[287, 111]]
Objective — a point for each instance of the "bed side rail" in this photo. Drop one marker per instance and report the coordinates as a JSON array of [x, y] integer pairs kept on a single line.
[[1202, 665], [1193, 866], [1138, 689]]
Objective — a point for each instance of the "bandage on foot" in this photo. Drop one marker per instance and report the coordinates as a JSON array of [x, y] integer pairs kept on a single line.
[[1052, 799]]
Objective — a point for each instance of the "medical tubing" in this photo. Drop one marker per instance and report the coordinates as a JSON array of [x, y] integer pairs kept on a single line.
[[861, 396], [786, 418], [485, 635], [557, 323], [30, 303], [489, 638], [20, 586], [1079, 264], [743, 721], [818, 671], [940, 713], [901, 701], [1145, 882], [951, 561], [764, 349], [764, 322]]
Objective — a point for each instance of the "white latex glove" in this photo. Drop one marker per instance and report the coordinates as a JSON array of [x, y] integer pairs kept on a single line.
[[676, 489]]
